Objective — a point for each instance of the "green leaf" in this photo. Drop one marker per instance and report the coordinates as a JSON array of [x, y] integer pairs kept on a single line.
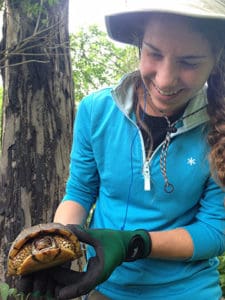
[[12, 292], [4, 290]]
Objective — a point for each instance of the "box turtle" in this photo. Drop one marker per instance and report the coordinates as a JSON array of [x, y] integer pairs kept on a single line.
[[42, 246]]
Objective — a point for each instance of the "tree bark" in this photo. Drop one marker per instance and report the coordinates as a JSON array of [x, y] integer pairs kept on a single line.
[[38, 113]]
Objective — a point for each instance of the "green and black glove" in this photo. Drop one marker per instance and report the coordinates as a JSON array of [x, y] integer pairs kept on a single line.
[[41, 285], [112, 247]]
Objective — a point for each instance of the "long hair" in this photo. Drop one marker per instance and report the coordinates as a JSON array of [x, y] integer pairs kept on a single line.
[[214, 31], [216, 111]]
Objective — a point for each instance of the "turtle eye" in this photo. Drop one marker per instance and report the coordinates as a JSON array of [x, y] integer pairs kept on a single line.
[[42, 243]]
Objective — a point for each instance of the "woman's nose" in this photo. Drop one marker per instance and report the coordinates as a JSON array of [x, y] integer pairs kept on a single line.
[[167, 76]]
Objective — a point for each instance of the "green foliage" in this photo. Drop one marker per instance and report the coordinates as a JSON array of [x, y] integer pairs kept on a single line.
[[222, 272], [32, 9], [97, 61], [6, 291], [12, 293]]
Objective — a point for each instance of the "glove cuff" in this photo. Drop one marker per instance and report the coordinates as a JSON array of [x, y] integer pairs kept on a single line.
[[139, 246]]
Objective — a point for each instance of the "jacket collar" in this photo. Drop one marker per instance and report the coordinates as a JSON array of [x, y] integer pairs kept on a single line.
[[194, 114]]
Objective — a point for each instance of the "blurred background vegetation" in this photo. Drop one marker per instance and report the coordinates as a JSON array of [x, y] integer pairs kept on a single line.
[[97, 61], [222, 273]]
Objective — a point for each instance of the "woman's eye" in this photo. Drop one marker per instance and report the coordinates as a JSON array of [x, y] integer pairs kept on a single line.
[[188, 64], [155, 55]]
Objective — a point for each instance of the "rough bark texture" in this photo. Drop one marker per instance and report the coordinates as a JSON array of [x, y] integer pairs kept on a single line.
[[38, 117]]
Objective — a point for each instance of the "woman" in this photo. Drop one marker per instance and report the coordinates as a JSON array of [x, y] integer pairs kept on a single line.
[[150, 155]]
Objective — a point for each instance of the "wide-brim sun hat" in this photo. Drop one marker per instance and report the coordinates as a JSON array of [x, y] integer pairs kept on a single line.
[[126, 26]]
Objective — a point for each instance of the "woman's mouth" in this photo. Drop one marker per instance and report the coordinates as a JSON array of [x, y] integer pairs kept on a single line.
[[167, 93]]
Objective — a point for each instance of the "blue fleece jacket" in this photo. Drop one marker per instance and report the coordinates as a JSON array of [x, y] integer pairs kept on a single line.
[[107, 161]]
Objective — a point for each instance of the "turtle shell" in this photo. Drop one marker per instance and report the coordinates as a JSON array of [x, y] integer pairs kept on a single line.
[[42, 246]]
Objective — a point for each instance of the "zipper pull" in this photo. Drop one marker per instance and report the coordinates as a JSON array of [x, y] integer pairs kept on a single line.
[[146, 174]]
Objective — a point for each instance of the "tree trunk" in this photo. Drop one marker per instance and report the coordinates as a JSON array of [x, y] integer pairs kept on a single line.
[[38, 113]]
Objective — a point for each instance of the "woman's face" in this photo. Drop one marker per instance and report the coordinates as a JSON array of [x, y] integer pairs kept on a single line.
[[175, 63]]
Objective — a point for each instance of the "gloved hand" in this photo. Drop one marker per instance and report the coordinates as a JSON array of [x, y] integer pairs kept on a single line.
[[112, 247], [41, 285]]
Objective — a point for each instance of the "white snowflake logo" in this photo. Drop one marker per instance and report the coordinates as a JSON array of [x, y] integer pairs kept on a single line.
[[191, 161]]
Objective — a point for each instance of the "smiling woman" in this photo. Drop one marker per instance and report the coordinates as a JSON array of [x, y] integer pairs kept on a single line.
[[172, 72]]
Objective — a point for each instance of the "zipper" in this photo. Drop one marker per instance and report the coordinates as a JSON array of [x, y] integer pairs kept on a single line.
[[146, 162], [146, 174]]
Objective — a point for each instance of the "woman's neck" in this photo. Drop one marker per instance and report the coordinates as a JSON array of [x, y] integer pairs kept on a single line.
[[146, 105]]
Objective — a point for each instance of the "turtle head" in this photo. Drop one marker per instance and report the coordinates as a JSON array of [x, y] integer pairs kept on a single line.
[[43, 243]]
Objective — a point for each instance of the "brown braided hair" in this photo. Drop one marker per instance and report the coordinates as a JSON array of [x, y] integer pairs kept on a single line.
[[216, 111]]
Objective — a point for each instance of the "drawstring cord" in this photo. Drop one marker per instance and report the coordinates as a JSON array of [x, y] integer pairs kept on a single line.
[[168, 186]]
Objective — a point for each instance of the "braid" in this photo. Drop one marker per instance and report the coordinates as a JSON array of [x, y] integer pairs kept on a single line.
[[216, 111]]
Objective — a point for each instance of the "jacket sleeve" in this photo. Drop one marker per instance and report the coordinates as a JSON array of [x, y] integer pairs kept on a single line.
[[83, 182], [208, 229]]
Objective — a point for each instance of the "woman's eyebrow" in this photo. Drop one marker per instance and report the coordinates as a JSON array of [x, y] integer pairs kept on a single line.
[[179, 57], [191, 57], [151, 46]]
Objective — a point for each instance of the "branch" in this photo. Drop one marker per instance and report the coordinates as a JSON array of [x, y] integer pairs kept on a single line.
[[38, 18], [41, 38], [27, 61]]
